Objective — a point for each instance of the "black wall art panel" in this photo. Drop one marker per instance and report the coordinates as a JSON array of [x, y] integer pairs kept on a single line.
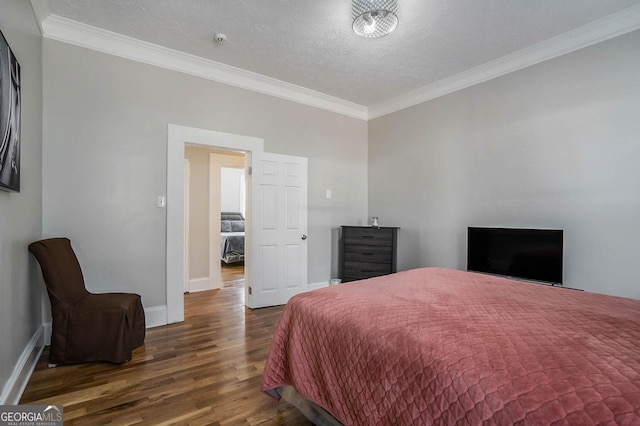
[[9, 118]]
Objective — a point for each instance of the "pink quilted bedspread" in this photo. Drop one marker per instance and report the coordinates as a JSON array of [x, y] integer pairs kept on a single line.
[[438, 346]]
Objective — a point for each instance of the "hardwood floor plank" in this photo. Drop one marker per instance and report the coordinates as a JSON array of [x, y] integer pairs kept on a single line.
[[204, 371]]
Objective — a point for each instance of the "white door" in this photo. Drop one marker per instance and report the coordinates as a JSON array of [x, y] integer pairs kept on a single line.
[[277, 267]]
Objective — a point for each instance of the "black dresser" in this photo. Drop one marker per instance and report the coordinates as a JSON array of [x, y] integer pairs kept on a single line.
[[367, 252]]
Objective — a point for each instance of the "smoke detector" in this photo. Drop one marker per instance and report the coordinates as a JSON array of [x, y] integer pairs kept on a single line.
[[219, 38]]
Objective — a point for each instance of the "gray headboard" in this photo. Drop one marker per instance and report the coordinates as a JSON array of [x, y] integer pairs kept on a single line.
[[231, 216]]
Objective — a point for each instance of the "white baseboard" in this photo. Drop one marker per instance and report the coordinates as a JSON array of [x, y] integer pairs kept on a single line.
[[16, 384], [201, 284], [46, 330], [156, 316], [316, 286]]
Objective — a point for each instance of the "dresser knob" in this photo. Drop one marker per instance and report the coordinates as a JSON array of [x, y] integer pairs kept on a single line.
[[304, 237]]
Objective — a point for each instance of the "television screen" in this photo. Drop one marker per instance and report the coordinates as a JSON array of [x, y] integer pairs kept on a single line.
[[533, 254]]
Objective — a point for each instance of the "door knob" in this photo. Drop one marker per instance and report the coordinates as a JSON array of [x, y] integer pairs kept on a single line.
[[304, 237]]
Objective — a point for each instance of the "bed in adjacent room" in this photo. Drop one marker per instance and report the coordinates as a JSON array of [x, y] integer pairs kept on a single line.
[[440, 346], [231, 237]]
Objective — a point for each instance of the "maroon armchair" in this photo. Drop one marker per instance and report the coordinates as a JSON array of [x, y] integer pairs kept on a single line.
[[86, 327]]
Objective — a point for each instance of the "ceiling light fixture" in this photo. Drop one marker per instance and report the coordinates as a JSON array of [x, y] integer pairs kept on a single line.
[[374, 18]]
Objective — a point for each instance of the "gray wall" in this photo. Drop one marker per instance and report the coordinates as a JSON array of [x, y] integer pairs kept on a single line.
[[555, 145], [21, 213], [104, 160]]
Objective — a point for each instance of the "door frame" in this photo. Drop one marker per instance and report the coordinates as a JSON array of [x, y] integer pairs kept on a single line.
[[177, 137], [187, 212]]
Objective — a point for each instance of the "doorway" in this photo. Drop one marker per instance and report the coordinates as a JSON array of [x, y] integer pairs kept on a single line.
[[214, 183], [277, 211], [177, 138]]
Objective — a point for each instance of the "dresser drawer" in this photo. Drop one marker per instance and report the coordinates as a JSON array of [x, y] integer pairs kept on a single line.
[[359, 270], [367, 252], [368, 236], [372, 253]]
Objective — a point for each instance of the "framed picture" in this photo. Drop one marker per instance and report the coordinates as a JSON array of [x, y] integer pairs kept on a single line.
[[9, 118]]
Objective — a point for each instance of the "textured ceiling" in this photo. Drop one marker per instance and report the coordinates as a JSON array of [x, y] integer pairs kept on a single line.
[[309, 43]]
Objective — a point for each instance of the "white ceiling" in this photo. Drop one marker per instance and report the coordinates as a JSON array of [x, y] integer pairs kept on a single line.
[[309, 43]]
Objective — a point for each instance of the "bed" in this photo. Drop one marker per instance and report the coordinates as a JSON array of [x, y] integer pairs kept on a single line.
[[440, 346], [231, 237]]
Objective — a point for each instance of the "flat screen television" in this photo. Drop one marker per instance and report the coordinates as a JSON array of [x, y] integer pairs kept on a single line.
[[530, 254]]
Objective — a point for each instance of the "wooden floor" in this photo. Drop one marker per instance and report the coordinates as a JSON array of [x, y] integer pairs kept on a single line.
[[204, 371]]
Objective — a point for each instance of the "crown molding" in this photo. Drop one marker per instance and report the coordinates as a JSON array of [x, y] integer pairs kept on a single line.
[[598, 31], [68, 31], [41, 10]]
